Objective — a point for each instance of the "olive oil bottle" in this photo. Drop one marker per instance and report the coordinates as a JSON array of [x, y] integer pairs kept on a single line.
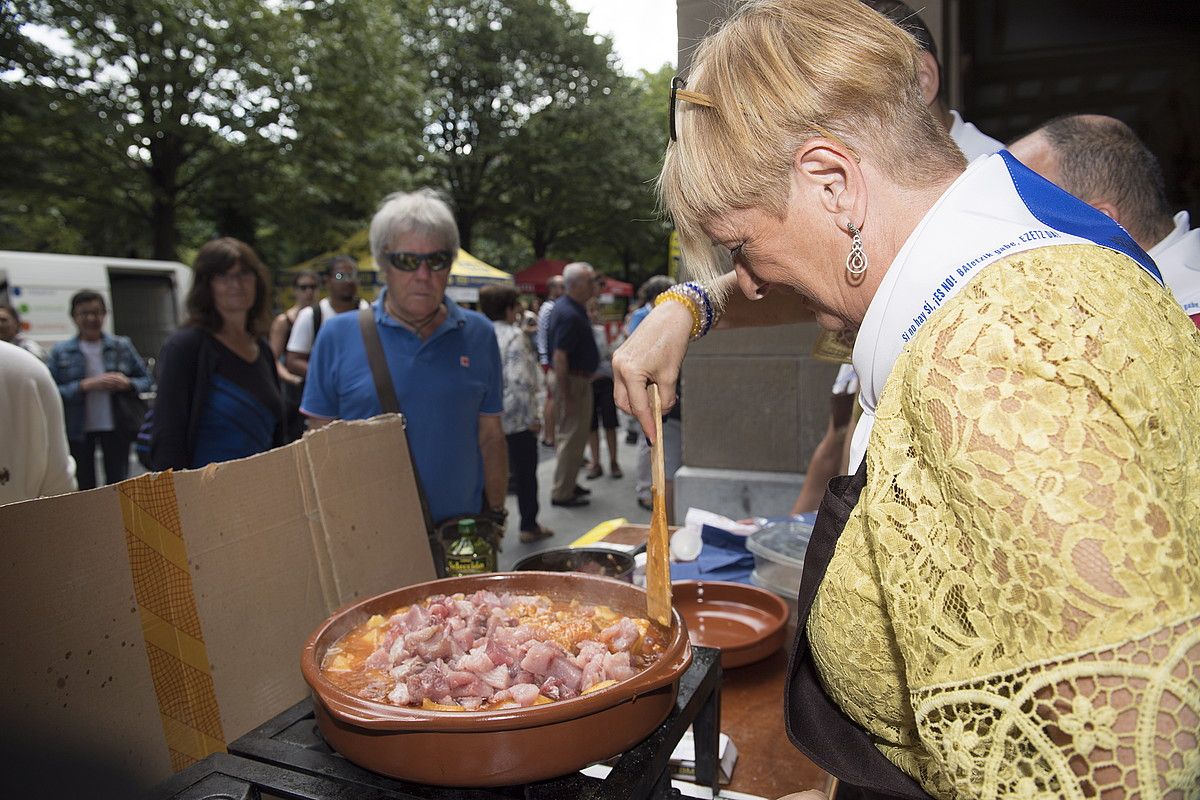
[[470, 553]]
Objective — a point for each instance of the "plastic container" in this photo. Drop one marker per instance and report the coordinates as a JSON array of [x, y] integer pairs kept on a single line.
[[779, 556], [789, 598]]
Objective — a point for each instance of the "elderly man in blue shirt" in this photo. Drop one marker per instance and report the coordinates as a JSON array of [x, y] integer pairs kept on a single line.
[[443, 360]]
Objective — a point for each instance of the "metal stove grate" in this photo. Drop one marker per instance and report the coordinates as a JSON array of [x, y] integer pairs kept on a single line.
[[286, 757]]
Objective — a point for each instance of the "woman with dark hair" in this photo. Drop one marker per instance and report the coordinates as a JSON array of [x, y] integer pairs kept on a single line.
[[218, 390]]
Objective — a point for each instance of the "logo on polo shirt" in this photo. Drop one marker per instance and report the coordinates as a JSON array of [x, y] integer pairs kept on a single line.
[[465, 361]]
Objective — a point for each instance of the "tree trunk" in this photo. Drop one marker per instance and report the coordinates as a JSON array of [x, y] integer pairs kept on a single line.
[[166, 234], [466, 223], [165, 161]]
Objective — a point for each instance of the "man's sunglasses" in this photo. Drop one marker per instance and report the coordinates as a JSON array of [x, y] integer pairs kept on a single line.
[[437, 261], [306, 287]]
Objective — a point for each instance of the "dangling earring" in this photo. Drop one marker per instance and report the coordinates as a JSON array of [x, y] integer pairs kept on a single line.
[[856, 262]]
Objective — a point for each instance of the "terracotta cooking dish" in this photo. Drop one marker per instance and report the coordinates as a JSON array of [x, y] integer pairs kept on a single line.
[[745, 622], [504, 747]]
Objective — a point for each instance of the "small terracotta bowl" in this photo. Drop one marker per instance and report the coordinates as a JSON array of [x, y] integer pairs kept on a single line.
[[745, 622], [505, 747]]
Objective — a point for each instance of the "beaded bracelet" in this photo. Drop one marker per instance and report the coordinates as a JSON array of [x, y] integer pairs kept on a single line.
[[687, 302], [697, 290], [696, 299]]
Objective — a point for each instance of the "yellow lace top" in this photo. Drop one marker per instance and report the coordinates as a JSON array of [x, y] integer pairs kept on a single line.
[[1014, 607]]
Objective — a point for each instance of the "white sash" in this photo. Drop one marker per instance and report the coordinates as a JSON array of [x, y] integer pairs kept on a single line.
[[996, 208]]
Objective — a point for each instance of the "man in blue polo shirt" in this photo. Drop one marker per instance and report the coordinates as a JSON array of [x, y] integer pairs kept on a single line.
[[575, 357], [444, 362]]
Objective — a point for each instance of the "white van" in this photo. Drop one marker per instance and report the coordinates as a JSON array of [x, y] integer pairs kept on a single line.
[[145, 298]]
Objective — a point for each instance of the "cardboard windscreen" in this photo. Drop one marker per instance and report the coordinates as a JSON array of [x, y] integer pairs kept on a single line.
[[173, 608]]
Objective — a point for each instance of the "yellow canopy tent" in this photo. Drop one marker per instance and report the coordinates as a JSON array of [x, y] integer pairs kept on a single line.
[[468, 274]]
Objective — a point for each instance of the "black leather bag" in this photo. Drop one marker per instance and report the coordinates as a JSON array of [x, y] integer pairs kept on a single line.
[[129, 412]]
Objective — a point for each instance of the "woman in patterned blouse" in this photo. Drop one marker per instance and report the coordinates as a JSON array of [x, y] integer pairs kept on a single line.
[[1004, 600]]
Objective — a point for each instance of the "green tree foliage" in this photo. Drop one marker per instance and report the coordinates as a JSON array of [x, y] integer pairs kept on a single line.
[[355, 132], [144, 128], [492, 64], [147, 91], [580, 178]]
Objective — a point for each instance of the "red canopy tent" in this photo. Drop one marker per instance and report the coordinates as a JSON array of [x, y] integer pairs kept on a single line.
[[536, 276]]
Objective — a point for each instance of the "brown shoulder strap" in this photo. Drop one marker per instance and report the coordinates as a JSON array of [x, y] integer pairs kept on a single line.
[[378, 363], [386, 391]]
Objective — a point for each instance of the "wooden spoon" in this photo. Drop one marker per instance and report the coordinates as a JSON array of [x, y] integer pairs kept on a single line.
[[658, 566]]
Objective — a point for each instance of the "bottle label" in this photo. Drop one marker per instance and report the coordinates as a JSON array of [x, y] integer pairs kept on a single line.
[[466, 565]]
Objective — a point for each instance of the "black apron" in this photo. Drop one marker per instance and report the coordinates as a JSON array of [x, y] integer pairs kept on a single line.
[[815, 723]]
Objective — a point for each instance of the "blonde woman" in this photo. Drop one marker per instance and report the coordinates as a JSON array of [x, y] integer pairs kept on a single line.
[[1004, 600]]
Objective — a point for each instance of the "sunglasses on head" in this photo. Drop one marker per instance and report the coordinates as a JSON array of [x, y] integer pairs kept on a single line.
[[679, 91], [404, 261]]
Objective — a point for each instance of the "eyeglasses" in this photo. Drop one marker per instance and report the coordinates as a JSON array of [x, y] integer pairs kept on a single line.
[[437, 261], [233, 275], [306, 287], [680, 92], [344, 275]]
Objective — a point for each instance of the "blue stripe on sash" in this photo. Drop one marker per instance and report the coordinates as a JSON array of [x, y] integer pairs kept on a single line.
[[1065, 212]]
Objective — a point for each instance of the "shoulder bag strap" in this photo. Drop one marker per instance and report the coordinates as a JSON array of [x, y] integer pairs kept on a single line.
[[378, 363], [386, 391]]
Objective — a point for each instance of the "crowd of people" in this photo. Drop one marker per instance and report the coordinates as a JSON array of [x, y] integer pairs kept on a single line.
[[478, 389]]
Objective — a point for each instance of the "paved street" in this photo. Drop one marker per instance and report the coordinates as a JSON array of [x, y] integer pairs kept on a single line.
[[610, 499]]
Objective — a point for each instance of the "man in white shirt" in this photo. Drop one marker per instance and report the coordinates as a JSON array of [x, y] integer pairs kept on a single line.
[[973, 142], [342, 279], [34, 458], [1101, 161]]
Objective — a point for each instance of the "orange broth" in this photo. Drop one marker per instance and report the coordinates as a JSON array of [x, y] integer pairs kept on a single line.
[[566, 623]]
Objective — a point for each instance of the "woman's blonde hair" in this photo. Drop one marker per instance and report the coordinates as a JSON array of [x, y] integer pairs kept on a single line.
[[780, 72]]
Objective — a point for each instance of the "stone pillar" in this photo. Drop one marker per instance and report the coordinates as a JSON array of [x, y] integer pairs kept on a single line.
[[755, 404]]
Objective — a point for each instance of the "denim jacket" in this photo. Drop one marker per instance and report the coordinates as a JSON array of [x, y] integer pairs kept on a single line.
[[69, 367]]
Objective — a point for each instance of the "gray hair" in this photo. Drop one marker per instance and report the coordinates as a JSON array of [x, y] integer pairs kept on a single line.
[[422, 212], [653, 287], [576, 270], [1101, 159]]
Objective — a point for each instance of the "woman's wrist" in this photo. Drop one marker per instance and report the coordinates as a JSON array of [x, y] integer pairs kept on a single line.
[[701, 304]]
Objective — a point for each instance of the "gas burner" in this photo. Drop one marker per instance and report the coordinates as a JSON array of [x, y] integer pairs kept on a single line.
[[287, 757]]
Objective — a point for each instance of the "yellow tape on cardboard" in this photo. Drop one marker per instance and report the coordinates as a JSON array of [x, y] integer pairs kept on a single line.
[[179, 666]]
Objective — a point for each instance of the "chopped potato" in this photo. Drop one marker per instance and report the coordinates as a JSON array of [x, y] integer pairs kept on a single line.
[[429, 705], [341, 663], [595, 687]]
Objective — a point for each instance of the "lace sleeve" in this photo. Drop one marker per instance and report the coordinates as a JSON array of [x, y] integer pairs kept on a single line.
[[1048, 497]]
